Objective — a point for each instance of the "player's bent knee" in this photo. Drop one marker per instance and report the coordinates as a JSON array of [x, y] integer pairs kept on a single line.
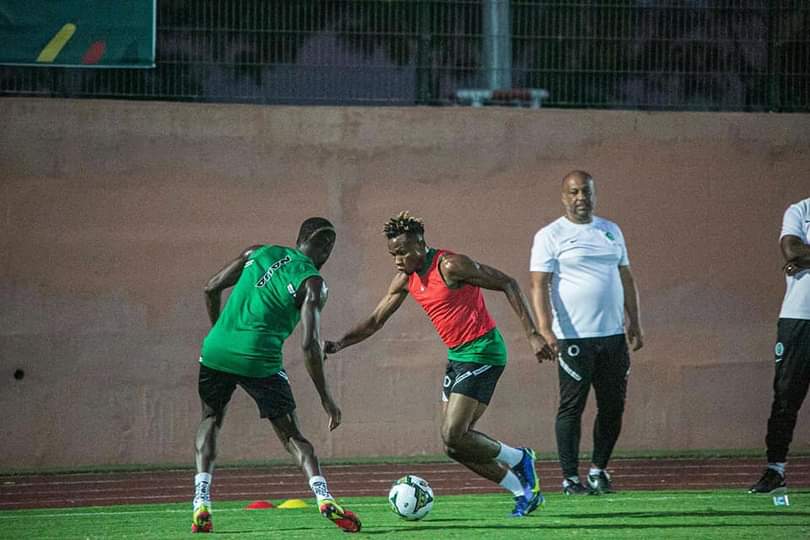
[[453, 436]]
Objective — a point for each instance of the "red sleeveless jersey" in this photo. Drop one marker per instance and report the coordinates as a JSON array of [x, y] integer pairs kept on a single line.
[[459, 315]]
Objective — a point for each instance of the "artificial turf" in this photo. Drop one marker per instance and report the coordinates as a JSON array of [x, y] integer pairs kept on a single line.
[[721, 514]]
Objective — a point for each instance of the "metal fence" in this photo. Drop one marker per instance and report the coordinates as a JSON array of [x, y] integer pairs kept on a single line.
[[735, 55]]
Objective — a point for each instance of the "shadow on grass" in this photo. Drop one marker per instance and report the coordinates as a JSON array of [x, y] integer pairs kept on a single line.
[[539, 525], [541, 522], [538, 522], [272, 530], [696, 514]]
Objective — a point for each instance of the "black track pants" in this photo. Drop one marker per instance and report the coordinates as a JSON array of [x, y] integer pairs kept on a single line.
[[790, 383], [603, 362]]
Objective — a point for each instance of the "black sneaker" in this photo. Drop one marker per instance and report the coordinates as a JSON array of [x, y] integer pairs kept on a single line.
[[600, 483], [770, 481], [571, 487]]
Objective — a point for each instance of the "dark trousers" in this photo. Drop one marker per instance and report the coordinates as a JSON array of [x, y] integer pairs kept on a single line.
[[603, 362], [790, 384]]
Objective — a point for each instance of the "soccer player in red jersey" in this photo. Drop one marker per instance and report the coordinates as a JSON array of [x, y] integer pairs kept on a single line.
[[448, 287]]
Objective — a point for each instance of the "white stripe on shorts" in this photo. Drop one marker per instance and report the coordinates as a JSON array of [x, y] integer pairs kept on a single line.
[[574, 375], [473, 373]]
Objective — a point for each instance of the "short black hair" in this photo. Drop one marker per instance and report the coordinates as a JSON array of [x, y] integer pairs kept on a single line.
[[312, 226], [403, 223]]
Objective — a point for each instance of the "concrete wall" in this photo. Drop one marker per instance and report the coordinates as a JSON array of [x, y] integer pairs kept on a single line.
[[114, 214]]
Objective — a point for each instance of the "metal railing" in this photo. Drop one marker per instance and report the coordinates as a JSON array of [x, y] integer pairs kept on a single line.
[[734, 55]]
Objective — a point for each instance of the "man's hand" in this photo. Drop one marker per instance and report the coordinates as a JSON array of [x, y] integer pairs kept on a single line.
[[330, 347], [551, 343], [635, 336], [541, 349], [333, 411]]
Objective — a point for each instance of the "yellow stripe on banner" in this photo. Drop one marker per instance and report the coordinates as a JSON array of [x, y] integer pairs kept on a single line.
[[57, 43]]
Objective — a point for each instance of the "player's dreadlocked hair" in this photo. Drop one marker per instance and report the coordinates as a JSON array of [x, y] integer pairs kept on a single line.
[[313, 226], [403, 223]]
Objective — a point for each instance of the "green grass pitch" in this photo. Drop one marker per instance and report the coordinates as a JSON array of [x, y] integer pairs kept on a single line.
[[627, 515]]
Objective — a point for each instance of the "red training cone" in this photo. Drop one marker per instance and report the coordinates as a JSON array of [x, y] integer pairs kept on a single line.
[[259, 505]]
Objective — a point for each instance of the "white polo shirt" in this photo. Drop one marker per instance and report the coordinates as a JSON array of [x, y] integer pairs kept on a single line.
[[796, 304], [587, 298]]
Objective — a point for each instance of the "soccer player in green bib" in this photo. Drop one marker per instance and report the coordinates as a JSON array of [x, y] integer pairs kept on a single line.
[[274, 287]]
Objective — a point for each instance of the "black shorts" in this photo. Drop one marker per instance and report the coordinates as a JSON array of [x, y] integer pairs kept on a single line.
[[472, 380], [273, 395]]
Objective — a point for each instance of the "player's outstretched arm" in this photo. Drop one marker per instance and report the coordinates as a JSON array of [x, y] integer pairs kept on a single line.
[[458, 269], [226, 277], [314, 293], [397, 292], [796, 254], [634, 333]]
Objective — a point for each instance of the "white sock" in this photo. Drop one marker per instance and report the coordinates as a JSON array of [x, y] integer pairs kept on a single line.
[[511, 483], [318, 486], [202, 489], [594, 471], [508, 455], [778, 467]]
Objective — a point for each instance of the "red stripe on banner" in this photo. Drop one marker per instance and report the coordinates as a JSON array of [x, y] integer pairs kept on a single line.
[[94, 53]]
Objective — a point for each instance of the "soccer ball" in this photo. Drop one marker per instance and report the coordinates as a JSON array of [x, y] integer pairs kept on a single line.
[[411, 497]]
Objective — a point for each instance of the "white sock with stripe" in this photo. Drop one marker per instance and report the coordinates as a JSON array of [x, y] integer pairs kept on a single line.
[[511, 483], [318, 486], [508, 455], [202, 490]]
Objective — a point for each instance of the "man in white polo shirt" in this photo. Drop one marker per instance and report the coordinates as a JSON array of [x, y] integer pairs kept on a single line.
[[581, 288], [792, 350]]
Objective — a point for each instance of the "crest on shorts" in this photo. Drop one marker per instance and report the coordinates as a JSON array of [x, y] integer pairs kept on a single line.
[[779, 350], [573, 350]]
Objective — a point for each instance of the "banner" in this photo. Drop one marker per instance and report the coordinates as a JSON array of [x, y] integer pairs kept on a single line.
[[78, 33]]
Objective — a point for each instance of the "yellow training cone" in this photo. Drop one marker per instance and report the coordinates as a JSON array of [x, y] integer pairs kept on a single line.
[[293, 503]]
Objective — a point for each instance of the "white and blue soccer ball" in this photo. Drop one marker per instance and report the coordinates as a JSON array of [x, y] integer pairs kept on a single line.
[[411, 497]]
